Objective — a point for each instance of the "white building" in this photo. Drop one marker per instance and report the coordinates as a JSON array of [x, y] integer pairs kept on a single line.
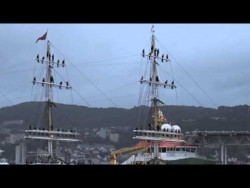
[[114, 137], [13, 122], [103, 133], [20, 153], [14, 138], [1, 151]]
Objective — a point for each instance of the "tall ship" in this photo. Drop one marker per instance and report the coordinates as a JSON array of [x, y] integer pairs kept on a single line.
[[49, 131], [159, 141]]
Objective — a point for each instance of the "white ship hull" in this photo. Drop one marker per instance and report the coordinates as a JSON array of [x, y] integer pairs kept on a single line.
[[168, 151], [145, 157]]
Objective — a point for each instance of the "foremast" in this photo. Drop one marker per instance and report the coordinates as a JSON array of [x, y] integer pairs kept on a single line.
[[50, 134], [49, 97]]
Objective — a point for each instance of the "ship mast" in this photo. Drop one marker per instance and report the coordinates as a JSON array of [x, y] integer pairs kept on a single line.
[[49, 97], [154, 76], [154, 81], [154, 133], [50, 134], [154, 98]]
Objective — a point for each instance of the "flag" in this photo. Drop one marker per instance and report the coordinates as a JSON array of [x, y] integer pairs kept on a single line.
[[42, 37]]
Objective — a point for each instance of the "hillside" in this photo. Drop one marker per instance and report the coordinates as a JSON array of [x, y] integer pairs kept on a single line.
[[80, 117]]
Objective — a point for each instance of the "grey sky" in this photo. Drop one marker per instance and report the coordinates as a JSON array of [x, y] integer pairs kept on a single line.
[[217, 56]]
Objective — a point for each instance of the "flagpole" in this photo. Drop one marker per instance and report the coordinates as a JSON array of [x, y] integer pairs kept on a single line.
[[47, 35]]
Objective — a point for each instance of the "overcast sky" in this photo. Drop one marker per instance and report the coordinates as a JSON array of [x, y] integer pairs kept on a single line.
[[104, 63]]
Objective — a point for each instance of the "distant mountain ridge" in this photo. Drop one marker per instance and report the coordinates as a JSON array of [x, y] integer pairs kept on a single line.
[[80, 117]]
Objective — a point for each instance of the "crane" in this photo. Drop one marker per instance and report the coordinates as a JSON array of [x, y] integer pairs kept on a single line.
[[128, 150]]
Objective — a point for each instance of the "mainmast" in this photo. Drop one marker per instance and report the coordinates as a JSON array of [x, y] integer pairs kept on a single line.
[[48, 82], [154, 81], [155, 77], [154, 133]]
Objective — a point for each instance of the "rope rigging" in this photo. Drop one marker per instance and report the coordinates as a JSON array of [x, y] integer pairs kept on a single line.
[[190, 77], [92, 83], [184, 88]]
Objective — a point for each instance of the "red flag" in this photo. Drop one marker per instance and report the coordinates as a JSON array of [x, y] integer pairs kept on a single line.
[[42, 37]]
